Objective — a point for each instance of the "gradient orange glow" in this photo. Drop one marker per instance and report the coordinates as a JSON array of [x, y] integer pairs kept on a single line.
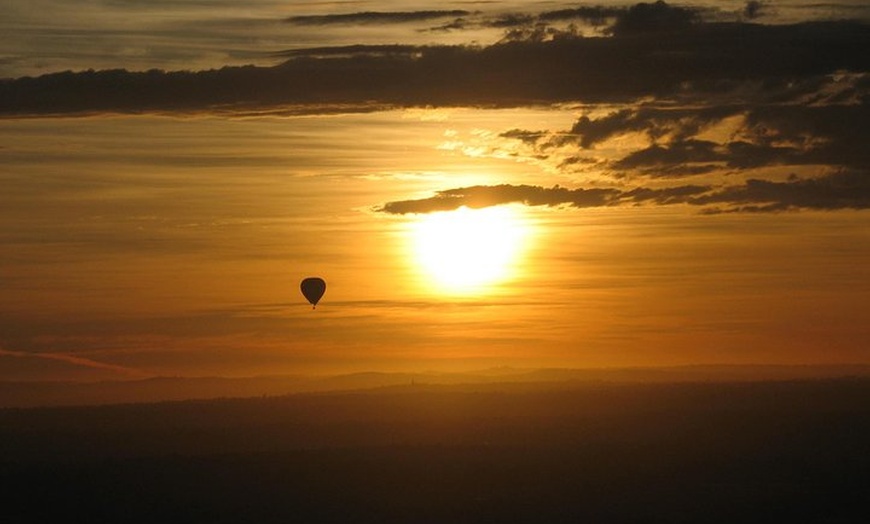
[[522, 213]]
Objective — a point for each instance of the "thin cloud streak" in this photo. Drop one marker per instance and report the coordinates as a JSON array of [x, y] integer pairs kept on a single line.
[[375, 17], [76, 361], [844, 190]]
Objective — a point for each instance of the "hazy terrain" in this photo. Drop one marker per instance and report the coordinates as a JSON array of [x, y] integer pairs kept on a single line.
[[570, 451], [60, 393]]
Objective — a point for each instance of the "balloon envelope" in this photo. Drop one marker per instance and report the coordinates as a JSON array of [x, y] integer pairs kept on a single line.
[[313, 288]]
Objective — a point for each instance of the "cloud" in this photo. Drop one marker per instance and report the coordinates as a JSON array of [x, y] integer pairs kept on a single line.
[[704, 61], [654, 18], [841, 190], [753, 9], [662, 196], [400, 51], [657, 123], [693, 98], [723, 139], [375, 17], [639, 18], [486, 196], [688, 157], [76, 361], [529, 137], [643, 17], [597, 15]]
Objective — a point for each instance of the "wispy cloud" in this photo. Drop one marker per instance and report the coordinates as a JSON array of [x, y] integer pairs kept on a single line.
[[76, 361], [375, 17]]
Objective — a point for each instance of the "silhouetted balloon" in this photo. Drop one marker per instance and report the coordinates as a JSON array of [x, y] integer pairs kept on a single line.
[[313, 288]]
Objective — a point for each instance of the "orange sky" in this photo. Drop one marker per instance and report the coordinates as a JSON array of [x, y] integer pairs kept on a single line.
[[692, 226]]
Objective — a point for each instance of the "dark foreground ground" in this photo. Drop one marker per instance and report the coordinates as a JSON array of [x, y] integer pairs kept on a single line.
[[795, 451]]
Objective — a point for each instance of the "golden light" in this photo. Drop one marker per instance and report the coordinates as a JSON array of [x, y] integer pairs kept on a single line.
[[465, 250]]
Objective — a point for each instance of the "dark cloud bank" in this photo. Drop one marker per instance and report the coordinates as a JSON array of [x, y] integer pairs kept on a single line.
[[656, 56], [796, 95]]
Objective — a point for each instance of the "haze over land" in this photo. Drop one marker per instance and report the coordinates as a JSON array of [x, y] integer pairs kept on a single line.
[[161, 389]]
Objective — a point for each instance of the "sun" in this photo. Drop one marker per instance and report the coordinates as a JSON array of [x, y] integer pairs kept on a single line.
[[465, 250]]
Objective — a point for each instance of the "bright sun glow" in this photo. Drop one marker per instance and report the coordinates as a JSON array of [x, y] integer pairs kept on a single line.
[[464, 250]]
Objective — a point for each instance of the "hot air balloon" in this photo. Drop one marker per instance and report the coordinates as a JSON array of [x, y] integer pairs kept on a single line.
[[313, 288]]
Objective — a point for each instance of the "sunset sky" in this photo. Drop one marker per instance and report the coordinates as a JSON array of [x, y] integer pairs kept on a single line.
[[481, 184]]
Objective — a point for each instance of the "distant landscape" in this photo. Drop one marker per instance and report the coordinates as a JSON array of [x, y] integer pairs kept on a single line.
[[601, 449], [59, 393]]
